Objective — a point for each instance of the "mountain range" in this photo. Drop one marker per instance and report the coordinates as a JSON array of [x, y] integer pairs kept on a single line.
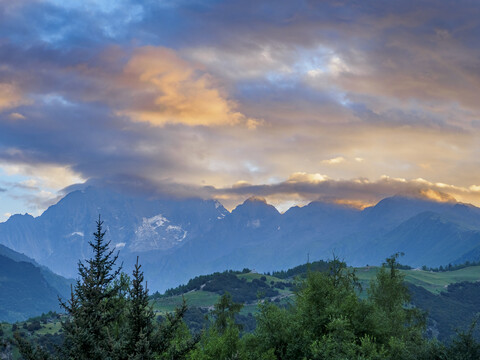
[[177, 239]]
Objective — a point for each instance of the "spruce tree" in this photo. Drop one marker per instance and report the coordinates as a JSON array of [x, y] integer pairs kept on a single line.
[[91, 310], [140, 319]]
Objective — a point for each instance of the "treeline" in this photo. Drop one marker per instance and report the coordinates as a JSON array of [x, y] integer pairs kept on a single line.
[[300, 270], [197, 282], [109, 317], [451, 267]]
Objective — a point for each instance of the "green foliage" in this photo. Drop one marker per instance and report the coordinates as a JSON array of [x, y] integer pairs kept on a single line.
[[222, 340], [464, 346], [219, 346], [140, 318], [276, 329], [240, 289], [329, 320], [29, 351], [302, 270], [224, 312], [172, 339], [93, 306], [197, 282]]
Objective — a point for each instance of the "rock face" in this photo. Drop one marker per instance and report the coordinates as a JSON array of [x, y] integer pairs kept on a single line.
[[177, 239]]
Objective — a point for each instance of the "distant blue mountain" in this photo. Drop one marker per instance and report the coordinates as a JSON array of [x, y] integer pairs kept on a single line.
[[27, 289], [177, 239]]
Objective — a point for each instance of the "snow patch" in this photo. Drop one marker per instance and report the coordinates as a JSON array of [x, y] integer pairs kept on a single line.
[[157, 233], [78, 233]]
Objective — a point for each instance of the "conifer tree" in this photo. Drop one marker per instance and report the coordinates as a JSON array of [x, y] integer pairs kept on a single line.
[[140, 319], [91, 309]]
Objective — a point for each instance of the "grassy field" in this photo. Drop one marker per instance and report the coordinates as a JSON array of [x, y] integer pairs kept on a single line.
[[251, 276], [193, 298], [435, 282], [50, 328]]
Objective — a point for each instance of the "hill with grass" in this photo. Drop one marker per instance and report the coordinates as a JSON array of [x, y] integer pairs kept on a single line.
[[450, 298]]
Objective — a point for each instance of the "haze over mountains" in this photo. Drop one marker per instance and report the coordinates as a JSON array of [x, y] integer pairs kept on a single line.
[[177, 239]]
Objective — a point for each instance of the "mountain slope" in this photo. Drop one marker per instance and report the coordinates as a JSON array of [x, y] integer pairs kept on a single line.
[[428, 238], [26, 289]]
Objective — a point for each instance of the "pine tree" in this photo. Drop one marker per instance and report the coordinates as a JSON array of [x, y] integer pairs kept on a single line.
[[91, 309], [140, 319]]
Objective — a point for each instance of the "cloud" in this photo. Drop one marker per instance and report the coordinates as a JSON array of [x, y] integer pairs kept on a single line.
[[41, 175], [38, 201], [336, 160], [16, 116], [10, 96], [360, 192], [167, 89], [181, 96]]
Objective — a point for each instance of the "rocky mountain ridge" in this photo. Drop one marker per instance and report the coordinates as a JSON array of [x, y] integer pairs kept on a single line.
[[180, 238]]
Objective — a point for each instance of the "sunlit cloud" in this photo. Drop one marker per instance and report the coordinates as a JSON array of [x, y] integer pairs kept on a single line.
[[336, 160], [171, 90], [358, 193], [16, 116], [42, 175]]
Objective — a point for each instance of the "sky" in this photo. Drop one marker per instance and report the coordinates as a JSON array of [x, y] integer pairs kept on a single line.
[[294, 101]]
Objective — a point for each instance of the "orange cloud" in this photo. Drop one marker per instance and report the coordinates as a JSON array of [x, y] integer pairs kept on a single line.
[[302, 187], [168, 89], [300, 177], [10, 96]]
